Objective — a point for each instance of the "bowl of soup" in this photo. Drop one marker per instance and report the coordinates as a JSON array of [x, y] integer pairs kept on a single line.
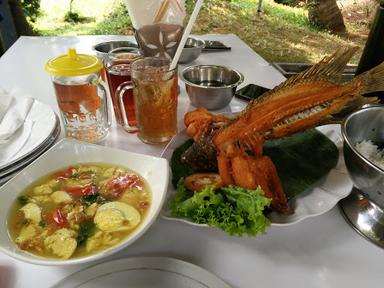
[[80, 202]]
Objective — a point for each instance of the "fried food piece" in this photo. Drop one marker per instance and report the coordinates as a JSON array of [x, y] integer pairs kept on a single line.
[[198, 120]]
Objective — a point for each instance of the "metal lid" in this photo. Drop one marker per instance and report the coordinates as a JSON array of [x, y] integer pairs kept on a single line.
[[73, 64]]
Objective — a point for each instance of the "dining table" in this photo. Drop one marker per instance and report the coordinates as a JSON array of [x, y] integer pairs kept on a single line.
[[321, 251]]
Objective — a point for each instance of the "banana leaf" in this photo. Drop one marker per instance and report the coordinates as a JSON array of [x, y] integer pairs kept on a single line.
[[301, 160]]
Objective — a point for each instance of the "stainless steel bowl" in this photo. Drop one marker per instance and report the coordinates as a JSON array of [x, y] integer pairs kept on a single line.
[[365, 124], [211, 86], [192, 50], [363, 208], [103, 48]]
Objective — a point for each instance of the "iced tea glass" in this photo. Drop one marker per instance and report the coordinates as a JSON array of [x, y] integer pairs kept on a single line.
[[83, 105], [155, 96], [118, 70], [81, 95]]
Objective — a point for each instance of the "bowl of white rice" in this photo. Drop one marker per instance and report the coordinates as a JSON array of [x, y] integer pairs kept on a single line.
[[363, 134]]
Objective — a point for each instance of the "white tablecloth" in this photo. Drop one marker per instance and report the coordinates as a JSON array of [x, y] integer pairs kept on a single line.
[[318, 252]]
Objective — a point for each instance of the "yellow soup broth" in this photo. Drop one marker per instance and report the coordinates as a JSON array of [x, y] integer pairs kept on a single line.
[[79, 210]]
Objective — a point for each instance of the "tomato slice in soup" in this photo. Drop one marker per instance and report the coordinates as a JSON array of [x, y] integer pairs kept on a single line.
[[117, 185], [80, 191], [64, 174], [59, 218]]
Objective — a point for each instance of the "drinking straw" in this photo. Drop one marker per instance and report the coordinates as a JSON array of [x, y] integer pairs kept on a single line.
[[161, 12], [187, 30]]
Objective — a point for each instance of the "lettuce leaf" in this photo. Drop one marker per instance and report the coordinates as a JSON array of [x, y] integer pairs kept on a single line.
[[234, 210]]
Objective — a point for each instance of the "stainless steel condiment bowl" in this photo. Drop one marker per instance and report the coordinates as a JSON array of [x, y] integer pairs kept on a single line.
[[211, 86], [365, 124], [192, 50], [103, 48]]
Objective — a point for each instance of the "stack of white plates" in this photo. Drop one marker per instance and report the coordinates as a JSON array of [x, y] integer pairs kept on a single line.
[[45, 131]]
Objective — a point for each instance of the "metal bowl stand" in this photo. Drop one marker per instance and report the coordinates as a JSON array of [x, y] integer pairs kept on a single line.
[[365, 217]]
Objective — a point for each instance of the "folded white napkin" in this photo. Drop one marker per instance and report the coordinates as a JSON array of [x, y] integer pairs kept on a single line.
[[15, 114], [5, 101], [15, 143], [15, 128]]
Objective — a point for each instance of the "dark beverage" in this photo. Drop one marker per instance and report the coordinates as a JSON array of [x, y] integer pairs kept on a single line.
[[117, 74], [118, 71]]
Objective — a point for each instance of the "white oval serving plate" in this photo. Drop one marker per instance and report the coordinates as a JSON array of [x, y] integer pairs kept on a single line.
[[317, 200]]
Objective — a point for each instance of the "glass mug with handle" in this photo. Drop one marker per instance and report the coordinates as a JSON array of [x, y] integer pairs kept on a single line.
[[118, 70], [81, 95], [155, 93]]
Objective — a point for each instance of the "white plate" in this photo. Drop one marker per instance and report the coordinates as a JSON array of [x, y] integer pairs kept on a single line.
[[44, 123], [17, 166], [143, 272], [69, 152], [322, 197]]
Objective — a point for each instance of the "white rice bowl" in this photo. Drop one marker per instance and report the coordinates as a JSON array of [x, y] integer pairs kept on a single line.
[[372, 152]]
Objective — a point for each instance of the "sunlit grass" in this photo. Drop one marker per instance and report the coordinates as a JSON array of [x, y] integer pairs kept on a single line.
[[118, 23], [290, 15], [277, 36], [52, 20], [283, 13], [281, 34]]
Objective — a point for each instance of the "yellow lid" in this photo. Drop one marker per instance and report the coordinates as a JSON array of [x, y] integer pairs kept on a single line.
[[73, 64]]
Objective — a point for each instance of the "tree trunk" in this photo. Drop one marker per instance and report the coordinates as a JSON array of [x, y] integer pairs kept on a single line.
[[326, 14], [70, 6], [21, 23]]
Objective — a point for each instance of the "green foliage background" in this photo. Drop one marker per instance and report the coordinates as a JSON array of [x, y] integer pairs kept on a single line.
[[31, 9]]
